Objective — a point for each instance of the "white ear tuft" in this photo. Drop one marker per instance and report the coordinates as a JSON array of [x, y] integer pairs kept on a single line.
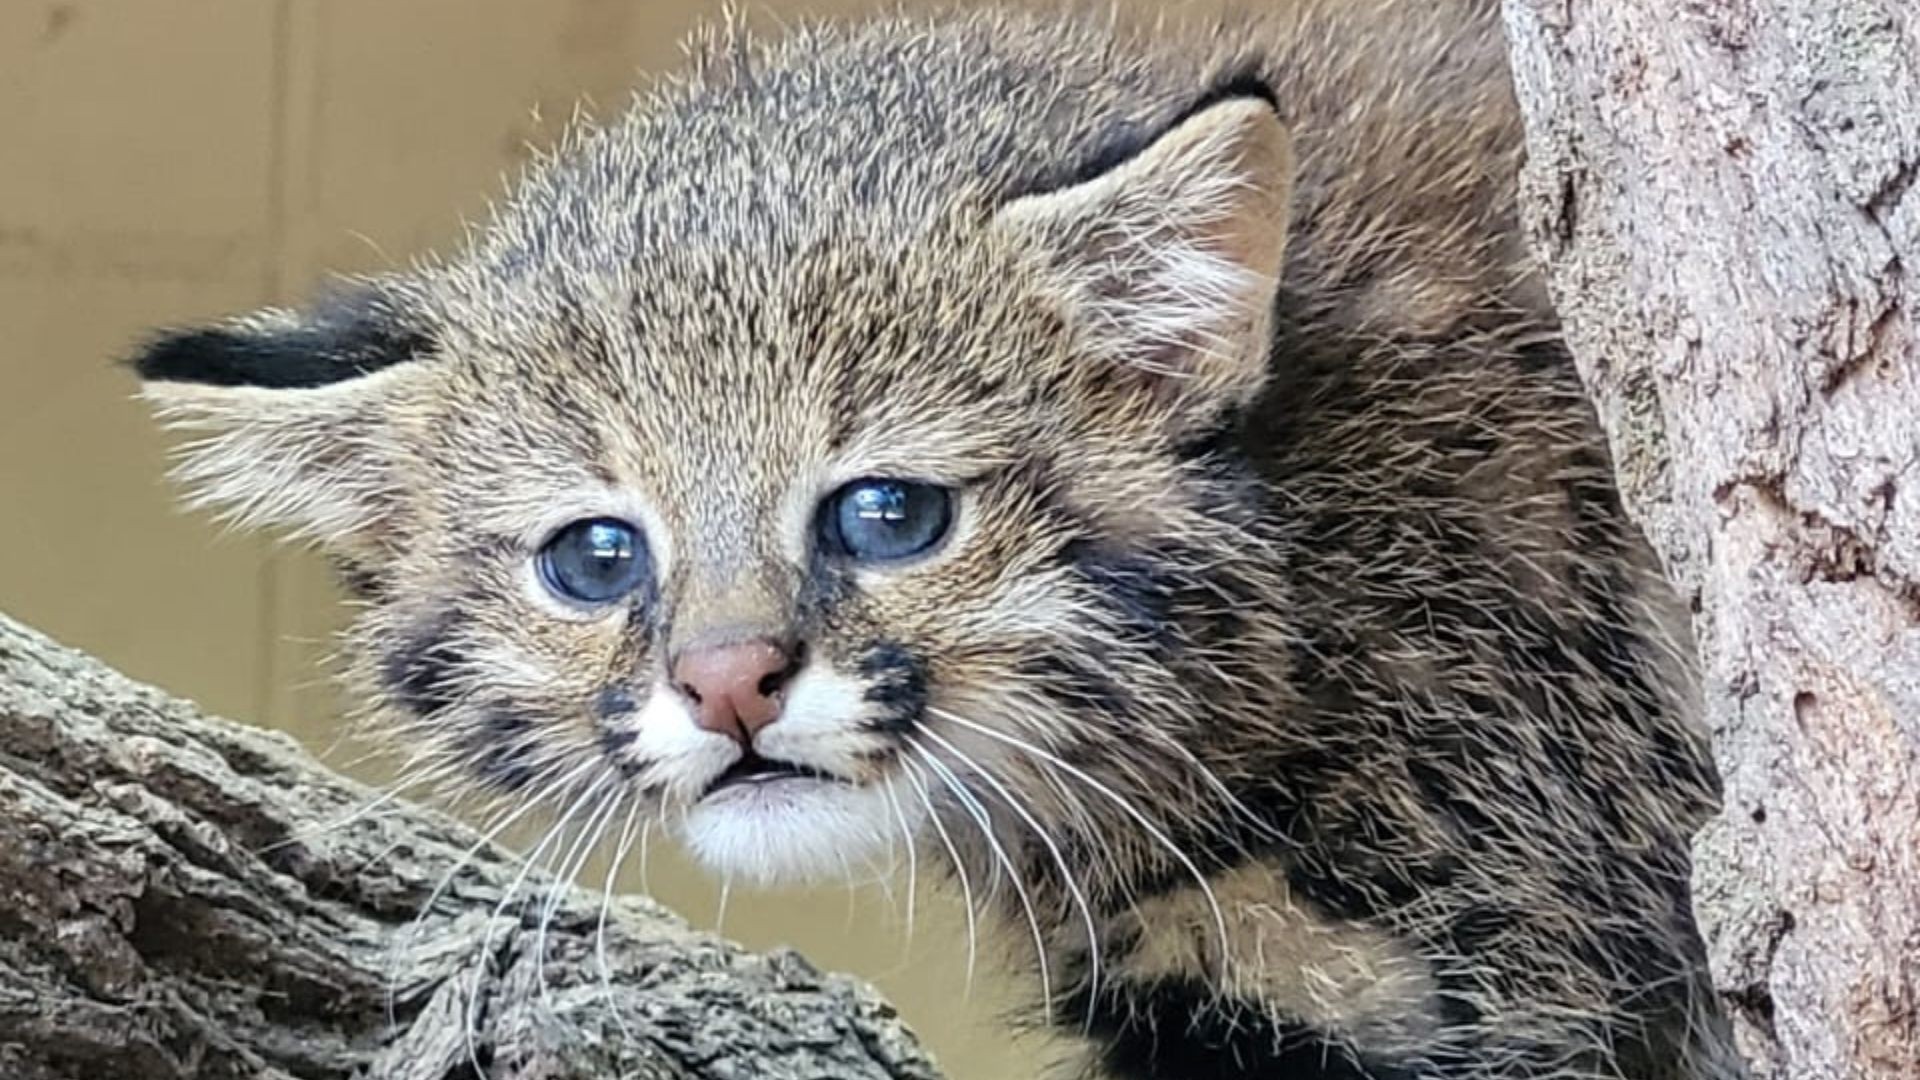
[[292, 410], [310, 459]]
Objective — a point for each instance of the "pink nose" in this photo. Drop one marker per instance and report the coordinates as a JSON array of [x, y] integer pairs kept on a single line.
[[735, 688]]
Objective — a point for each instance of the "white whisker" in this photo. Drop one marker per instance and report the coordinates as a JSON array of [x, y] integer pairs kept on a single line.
[[646, 834], [1059, 860], [491, 832], [620, 850], [313, 831], [1127, 807], [981, 819], [472, 1014], [571, 864], [913, 860], [953, 857]]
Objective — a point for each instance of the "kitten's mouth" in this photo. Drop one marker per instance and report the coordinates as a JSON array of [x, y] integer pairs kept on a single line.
[[755, 769]]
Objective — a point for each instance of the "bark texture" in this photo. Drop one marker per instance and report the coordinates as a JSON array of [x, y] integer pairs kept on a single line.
[[173, 909], [1723, 195]]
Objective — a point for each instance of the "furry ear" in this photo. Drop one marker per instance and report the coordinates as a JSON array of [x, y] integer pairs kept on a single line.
[[1169, 261], [292, 410]]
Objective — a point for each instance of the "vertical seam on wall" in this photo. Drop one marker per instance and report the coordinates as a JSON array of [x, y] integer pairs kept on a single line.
[[275, 278]]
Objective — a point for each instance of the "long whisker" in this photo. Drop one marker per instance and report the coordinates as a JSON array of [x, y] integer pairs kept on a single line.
[[471, 1019], [492, 832], [315, 830], [953, 857], [1059, 860], [980, 818], [646, 834], [591, 832], [620, 851], [1127, 807], [378, 856], [913, 860], [720, 905]]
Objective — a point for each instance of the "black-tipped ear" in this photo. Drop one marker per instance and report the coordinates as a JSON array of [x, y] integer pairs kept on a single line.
[[293, 413], [345, 336]]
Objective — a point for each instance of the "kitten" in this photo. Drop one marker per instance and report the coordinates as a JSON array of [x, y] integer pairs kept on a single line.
[[1145, 470]]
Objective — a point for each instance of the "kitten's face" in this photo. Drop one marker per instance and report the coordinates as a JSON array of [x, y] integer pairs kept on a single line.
[[872, 481], [786, 550]]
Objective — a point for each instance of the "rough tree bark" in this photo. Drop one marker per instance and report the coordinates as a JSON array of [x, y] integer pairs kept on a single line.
[[1723, 195], [168, 910]]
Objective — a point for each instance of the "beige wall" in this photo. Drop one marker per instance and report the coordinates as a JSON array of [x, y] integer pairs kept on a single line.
[[163, 161]]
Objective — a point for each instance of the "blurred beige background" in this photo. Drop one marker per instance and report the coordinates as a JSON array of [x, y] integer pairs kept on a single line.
[[163, 161]]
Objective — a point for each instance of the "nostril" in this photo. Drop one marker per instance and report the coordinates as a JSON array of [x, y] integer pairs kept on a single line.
[[734, 688], [771, 683]]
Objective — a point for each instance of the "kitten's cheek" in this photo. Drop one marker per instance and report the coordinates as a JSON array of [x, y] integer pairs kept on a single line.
[[795, 831], [674, 757]]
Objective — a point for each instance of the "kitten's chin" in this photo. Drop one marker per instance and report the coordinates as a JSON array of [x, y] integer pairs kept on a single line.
[[797, 830]]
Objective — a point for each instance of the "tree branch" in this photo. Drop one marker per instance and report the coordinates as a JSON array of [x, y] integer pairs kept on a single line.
[[1722, 193], [176, 908]]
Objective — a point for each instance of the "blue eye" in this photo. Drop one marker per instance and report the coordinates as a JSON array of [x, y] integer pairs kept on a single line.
[[595, 561], [884, 520]]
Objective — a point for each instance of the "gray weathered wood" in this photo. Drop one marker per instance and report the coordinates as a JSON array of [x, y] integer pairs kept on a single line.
[[1723, 194], [172, 909]]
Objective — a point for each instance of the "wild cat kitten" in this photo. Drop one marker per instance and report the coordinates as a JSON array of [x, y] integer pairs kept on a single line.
[[1144, 468]]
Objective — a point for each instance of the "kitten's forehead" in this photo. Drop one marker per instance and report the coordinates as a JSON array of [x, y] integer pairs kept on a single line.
[[717, 388]]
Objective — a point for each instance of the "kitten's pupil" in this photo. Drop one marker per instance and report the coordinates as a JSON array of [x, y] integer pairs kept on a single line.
[[883, 520], [595, 561]]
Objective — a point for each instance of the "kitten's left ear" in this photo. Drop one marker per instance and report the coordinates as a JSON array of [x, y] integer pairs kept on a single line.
[[1168, 262], [294, 410]]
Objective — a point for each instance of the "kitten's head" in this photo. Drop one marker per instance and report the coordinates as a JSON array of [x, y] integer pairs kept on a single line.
[[786, 517]]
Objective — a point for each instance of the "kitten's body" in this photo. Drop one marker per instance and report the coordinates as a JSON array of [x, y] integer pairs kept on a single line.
[[1290, 648]]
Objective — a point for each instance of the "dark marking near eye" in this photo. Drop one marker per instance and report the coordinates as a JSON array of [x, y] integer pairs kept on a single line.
[[1184, 1028], [420, 673], [897, 685], [500, 751], [824, 587], [1133, 587], [614, 701], [1078, 683], [617, 743]]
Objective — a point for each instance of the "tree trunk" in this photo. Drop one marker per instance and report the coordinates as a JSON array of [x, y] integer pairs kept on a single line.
[[174, 907], [1722, 193]]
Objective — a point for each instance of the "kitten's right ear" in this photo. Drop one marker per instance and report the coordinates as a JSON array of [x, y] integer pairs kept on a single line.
[[293, 411], [1168, 263]]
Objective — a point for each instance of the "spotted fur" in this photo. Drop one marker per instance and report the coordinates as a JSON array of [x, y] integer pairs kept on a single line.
[[1290, 675]]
